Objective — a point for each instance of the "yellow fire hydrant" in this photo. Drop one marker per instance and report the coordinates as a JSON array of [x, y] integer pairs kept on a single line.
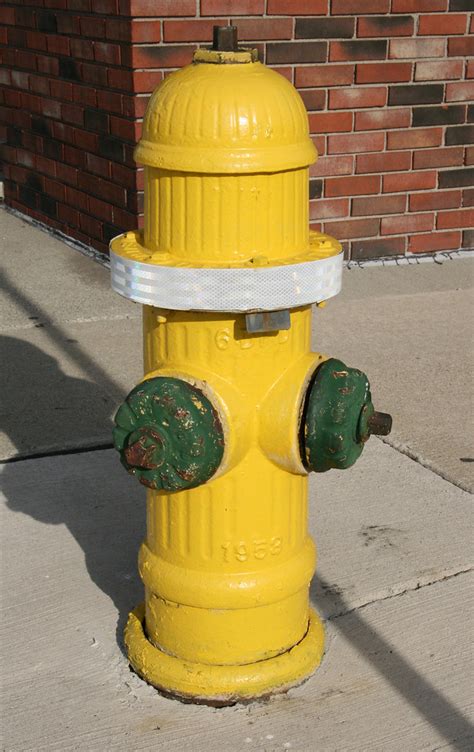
[[234, 409]]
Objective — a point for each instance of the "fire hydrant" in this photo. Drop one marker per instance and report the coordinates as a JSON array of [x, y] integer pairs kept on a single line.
[[234, 410]]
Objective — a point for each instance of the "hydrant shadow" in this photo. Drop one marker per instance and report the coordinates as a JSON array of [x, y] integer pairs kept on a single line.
[[440, 713], [102, 516]]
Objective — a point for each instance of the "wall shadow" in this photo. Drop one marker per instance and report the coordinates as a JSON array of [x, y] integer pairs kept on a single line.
[[440, 713]]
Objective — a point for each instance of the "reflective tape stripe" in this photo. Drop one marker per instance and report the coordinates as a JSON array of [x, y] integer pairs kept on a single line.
[[233, 289]]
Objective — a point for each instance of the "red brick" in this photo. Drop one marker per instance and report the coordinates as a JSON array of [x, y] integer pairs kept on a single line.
[[378, 205], [95, 74], [85, 140], [190, 31], [106, 52], [460, 92], [400, 160], [7, 16], [324, 75], [57, 45], [93, 27], [264, 28], [74, 157], [348, 7], [416, 48], [418, 6], [351, 186], [355, 97], [48, 65], [414, 138], [355, 143], [146, 81], [72, 113], [320, 144], [40, 85], [447, 157], [85, 95], [329, 208], [289, 7], [411, 181], [145, 31], [450, 220], [157, 8], [119, 29], [373, 73], [469, 155], [67, 174], [449, 23], [54, 189], [435, 200], [407, 224], [329, 166], [51, 108], [60, 89], [235, 8], [109, 101], [468, 197], [353, 228], [118, 78], [438, 71], [128, 130], [434, 241], [35, 40], [379, 248], [161, 56], [361, 49], [90, 225], [382, 119], [330, 122], [385, 26], [461, 46], [314, 99], [68, 215], [82, 48], [100, 209]]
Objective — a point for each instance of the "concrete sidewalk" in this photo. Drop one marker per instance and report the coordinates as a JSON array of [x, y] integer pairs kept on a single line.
[[394, 533]]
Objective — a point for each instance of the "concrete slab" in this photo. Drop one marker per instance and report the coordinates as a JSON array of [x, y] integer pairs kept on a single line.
[[410, 329], [396, 673], [40, 271]]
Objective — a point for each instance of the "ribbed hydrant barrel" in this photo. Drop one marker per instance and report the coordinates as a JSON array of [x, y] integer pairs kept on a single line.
[[234, 409]]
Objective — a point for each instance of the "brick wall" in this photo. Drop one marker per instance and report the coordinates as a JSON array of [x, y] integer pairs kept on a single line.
[[388, 85]]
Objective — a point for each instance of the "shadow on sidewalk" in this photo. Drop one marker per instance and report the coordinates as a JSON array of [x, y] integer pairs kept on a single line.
[[107, 523], [440, 713]]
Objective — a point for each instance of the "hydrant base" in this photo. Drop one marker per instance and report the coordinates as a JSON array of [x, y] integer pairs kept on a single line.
[[222, 685]]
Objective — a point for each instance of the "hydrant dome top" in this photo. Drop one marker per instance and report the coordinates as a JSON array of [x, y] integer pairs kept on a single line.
[[228, 118]]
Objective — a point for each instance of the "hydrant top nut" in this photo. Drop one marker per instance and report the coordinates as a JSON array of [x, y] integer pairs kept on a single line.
[[169, 435]]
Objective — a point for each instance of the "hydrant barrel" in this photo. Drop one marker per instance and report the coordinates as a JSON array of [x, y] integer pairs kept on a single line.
[[218, 429]]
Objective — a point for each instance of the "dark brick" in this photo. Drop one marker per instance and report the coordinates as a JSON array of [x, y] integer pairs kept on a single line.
[[52, 149], [296, 52], [17, 38], [438, 115], [314, 99], [468, 239], [41, 126], [381, 26], [48, 205], [462, 134], [110, 148], [470, 113], [373, 49], [14, 136], [456, 178], [27, 196], [315, 188], [324, 28], [460, 4], [96, 121], [110, 231], [362, 249], [34, 181], [46, 21], [69, 69], [416, 94]]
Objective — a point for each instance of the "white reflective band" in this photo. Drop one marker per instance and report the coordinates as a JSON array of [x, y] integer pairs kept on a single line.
[[232, 289]]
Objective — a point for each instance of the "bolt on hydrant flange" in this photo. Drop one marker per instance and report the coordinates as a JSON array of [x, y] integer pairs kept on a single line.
[[234, 409]]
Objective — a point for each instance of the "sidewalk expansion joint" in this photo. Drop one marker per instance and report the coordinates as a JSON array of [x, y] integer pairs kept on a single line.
[[416, 457], [57, 453], [396, 594]]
